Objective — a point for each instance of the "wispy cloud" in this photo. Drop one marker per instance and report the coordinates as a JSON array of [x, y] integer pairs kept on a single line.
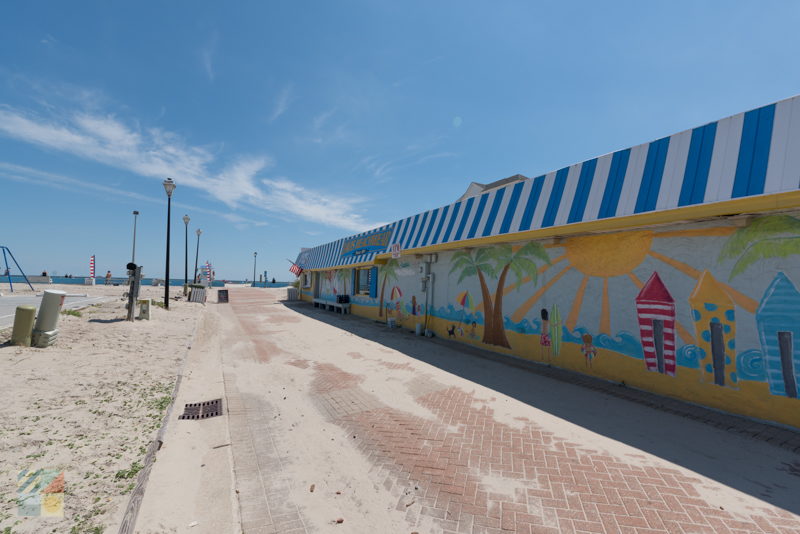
[[320, 120], [382, 169], [282, 102], [158, 153], [207, 54]]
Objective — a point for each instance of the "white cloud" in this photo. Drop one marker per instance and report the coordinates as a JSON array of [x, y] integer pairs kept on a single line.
[[158, 154], [207, 56], [282, 102]]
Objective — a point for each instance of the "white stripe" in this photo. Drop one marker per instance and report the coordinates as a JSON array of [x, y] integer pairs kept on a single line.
[[434, 224], [724, 158], [449, 216], [461, 210], [469, 219], [778, 146], [598, 187], [544, 199], [649, 339], [674, 170], [523, 201], [568, 196], [654, 316], [642, 305], [487, 208], [790, 175], [501, 213], [633, 180]]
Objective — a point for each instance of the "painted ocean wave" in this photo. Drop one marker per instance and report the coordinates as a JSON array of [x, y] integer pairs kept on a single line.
[[750, 366], [689, 356], [624, 342]]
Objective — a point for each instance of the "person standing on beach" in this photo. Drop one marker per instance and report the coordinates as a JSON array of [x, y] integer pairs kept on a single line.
[[108, 277]]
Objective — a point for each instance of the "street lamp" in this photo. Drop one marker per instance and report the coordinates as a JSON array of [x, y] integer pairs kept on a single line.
[[169, 187], [133, 254], [186, 253], [197, 252], [254, 268]]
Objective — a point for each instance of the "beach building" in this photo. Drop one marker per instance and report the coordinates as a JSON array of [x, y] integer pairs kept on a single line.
[[712, 213]]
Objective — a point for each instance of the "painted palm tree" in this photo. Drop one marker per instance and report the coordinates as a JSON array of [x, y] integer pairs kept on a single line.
[[389, 271], [343, 275], [498, 262], [773, 236]]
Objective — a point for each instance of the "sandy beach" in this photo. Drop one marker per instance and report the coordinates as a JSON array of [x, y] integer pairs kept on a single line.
[[89, 405]]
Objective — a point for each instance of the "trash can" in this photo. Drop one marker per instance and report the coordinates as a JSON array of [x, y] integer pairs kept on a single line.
[[23, 326]]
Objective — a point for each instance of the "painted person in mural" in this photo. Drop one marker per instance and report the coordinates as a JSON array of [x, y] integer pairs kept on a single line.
[[589, 351], [544, 338]]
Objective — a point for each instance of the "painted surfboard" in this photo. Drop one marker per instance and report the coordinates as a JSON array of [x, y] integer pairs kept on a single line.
[[555, 330]]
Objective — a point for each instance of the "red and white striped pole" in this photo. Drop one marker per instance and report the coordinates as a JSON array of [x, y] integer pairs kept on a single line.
[[91, 266]]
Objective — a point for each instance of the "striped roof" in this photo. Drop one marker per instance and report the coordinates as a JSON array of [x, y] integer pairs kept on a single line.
[[749, 154]]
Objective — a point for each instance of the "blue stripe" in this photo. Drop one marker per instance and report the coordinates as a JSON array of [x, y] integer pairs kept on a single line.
[[411, 233], [693, 190], [616, 178], [498, 198], [430, 226], [582, 193], [555, 198], [441, 225], [478, 216], [512, 207], [421, 228], [467, 209], [653, 172], [751, 169], [452, 222], [406, 222], [530, 207]]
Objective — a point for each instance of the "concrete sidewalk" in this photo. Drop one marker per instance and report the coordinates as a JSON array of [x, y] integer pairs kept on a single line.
[[337, 418]]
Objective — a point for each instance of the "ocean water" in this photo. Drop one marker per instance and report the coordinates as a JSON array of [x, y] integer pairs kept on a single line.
[[17, 279]]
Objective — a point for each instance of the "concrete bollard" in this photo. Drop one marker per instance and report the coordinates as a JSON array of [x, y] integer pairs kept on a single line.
[[45, 331], [23, 326]]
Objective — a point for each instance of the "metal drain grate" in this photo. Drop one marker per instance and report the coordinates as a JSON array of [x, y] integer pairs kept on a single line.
[[202, 410]]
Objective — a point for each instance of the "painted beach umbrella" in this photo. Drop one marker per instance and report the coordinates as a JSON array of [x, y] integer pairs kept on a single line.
[[655, 310], [466, 300], [714, 317], [395, 294], [779, 332]]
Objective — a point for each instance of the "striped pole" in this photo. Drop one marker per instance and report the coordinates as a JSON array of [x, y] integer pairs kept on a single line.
[[91, 266]]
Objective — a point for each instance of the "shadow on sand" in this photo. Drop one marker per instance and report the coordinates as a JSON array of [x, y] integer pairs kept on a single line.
[[747, 464]]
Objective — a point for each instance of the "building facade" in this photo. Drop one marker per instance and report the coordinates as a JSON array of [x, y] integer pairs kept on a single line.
[[671, 266]]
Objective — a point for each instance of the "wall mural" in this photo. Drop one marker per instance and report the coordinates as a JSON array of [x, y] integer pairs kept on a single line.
[[713, 304]]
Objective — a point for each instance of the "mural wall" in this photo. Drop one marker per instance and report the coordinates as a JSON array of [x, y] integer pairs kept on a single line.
[[707, 312]]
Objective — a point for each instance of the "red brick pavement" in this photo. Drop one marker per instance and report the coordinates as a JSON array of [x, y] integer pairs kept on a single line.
[[440, 468]]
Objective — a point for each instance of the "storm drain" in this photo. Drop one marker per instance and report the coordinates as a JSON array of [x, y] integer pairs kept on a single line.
[[202, 410]]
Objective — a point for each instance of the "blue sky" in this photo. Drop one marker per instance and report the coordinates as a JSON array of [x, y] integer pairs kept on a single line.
[[289, 124]]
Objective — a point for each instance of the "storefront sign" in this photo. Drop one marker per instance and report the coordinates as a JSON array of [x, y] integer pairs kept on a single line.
[[367, 243]]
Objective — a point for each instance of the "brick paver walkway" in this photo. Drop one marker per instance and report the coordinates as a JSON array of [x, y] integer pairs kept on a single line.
[[465, 471]]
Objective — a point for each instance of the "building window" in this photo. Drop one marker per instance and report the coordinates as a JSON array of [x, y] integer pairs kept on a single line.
[[362, 281], [306, 279]]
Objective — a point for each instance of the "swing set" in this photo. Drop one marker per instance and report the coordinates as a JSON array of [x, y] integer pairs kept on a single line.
[[6, 254]]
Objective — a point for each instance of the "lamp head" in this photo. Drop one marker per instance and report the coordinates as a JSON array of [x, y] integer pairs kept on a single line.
[[186, 220], [198, 232], [169, 187], [135, 212]]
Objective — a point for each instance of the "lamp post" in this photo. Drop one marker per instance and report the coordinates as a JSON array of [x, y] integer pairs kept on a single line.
[[197, 252], [254, 268], [186, 253], [133, 254], [169, 187]]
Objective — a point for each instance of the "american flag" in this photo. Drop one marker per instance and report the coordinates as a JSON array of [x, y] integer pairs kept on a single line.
[[295, 269]]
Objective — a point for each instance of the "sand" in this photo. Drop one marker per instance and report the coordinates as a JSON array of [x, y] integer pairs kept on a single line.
[[89, 405]]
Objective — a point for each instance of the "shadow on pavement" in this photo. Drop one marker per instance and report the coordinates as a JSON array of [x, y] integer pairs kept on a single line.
[[749, 465]]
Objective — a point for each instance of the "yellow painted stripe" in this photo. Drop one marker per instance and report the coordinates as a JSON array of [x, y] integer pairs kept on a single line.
[[572, 319], [605, 315], [638, 283], [528, 304]]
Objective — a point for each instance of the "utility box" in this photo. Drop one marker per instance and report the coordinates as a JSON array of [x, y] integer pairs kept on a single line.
[[88, 281], [45, 332], [144, 309], [23, 326]]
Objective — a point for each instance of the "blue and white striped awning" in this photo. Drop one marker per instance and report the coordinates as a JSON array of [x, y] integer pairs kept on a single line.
[[749, 154]]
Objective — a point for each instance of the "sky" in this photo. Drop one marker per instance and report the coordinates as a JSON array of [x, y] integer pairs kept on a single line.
[[292, 124]]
